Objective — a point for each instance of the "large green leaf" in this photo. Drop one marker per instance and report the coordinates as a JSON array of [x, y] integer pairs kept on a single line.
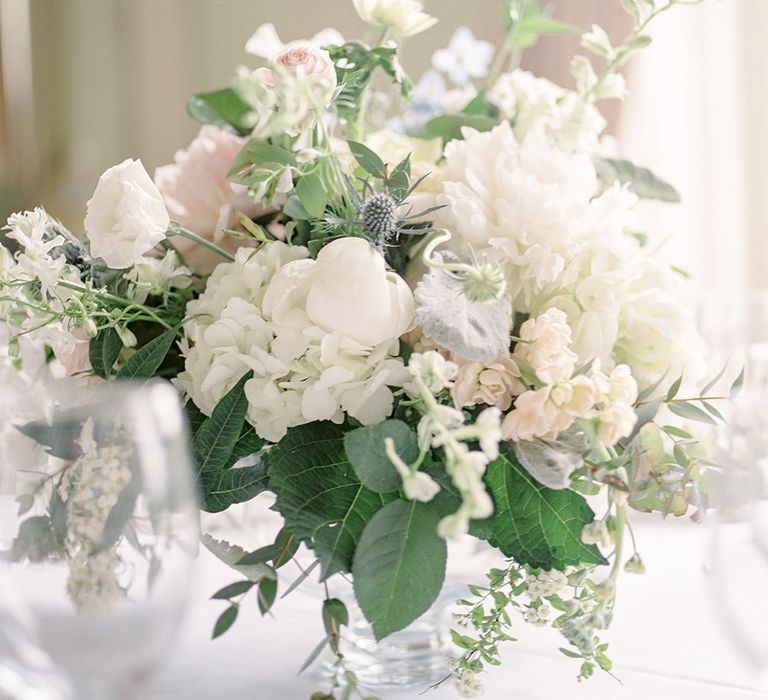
[[228, 486], [365, 450], [312, 195], [146, 360], [318, 494], [641, 181], [399, 566], [215, 439], [103, 351], [224, 108], [536, 525], [368, 160]]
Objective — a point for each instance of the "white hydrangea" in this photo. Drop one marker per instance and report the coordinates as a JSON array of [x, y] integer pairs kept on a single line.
[[306, 366], [657, 331], [538, 106]]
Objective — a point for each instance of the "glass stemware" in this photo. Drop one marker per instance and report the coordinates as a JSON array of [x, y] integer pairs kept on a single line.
[[98, 546]]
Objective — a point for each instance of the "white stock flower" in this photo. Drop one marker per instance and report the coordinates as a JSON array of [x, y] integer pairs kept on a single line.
[[545, 413], [545, 346], [465, 58], [126, 216], [536, 105], [255, 315], [495, 384], [406, 17]]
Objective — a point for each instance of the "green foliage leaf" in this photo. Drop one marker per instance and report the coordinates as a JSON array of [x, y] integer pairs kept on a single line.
[[233, 590], [229, 486], [367, 159], [319, 496], [312, 195], [267, 594], [448, 126], [364, 448], [535, 525], [259, 152], [215, 439], [103, 351], [148, 358], [672, 392], [60, 438], [641, 181], [249, 443], [223, 108], [225, 621], [399, 566]]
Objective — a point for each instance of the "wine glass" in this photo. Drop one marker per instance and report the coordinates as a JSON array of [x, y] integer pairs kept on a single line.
[[99, 546], [736, 327]]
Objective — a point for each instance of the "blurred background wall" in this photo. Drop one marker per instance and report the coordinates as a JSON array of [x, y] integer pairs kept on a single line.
[[87, 83]]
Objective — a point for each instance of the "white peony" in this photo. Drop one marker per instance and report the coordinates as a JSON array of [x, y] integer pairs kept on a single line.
[[406, 17], [126, 216], [349, 291], [255, 315], [523, 204]]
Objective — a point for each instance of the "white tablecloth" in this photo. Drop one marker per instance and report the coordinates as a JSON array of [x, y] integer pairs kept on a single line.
[[666, 640]]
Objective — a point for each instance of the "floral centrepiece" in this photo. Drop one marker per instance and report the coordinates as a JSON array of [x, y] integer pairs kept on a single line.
[[408, 327]]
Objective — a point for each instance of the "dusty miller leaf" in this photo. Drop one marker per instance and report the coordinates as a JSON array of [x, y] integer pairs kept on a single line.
[[473, 330]]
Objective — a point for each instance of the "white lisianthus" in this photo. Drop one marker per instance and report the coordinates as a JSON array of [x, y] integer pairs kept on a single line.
[[406, 17], [126, 216]]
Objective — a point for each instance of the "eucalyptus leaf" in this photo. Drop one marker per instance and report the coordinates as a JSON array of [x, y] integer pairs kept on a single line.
[[364, 448], [312, 195], [473, 330]]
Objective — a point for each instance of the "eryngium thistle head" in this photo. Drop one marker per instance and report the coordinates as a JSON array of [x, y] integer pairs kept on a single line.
[[379, 215]]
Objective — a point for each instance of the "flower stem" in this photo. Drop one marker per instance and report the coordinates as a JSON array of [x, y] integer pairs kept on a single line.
[[178, 230]]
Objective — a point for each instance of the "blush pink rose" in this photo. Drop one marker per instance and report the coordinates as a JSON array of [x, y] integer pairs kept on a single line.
[[308, 61]]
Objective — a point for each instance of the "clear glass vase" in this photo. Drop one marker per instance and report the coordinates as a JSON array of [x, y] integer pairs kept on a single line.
[[415, 657]]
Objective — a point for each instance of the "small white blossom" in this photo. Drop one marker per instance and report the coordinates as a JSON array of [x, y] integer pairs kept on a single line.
[[468, 685], [465, 58], [435, 371]]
